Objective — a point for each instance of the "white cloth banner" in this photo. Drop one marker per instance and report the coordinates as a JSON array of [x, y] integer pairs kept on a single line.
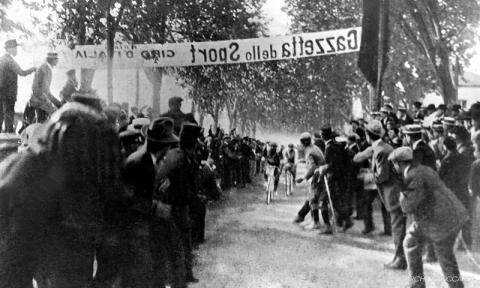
[[215, 52]]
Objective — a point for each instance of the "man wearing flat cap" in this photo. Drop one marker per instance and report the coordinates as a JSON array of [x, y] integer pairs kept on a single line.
[[422, 154], [175, 113], [42, 99], [436, 217], [9, 71]]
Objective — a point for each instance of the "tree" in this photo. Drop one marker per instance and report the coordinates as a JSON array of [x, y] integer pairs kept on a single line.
[[442, 31]]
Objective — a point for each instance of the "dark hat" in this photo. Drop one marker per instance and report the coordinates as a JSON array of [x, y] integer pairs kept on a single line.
[[160, 130], [129, 136], [71, 72], [354, 121], [456, 107], [431, 107], [412, 129], [52, 55], [442, 107], [11, 44], [190, 131], [475, 111], [417, 104], [326, 132], [388, 106], [175, 100]]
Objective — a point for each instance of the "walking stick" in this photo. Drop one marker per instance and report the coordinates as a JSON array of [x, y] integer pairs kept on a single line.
[[334, 219]]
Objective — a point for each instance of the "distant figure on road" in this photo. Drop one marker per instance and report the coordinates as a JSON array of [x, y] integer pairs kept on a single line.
[[175, 113], [9, 71]]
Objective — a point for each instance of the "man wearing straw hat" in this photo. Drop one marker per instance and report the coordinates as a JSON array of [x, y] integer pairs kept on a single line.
[[388, 184], [42, 99], [9, 71]]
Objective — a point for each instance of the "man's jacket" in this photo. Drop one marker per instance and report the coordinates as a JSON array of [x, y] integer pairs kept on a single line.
[[436, 212]]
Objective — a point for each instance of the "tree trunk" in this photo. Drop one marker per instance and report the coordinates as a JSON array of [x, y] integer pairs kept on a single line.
[[137, 87], [254, 129], [243, 124], [447, 81], [110, 36], [201, 118], [155, 76], [215, 116]]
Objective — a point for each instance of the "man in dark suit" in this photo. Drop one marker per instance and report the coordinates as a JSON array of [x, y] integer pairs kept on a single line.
[[9, 71], [388, 184], [337, 163], [42, 99], [422, 152], [403, 117], [159, 238], [175, 113], [178, 171]]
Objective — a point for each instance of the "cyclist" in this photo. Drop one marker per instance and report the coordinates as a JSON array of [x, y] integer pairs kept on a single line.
[[289, 159], [272, 158]]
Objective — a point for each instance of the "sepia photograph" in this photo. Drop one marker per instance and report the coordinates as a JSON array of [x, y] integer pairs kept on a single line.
[[239, 143]]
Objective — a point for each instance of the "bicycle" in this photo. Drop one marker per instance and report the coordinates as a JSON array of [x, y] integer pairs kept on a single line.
[[288, 180], [270, 172]]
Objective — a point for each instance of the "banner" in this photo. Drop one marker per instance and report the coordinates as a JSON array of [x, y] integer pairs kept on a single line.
[[215, 52]]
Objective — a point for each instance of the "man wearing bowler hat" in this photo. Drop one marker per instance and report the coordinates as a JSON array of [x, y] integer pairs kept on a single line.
[[42, 99], [9, 71], [179, 169], [154, 233]]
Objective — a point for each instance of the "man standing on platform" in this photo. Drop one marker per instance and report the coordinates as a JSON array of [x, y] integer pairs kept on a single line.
[[175, 113], [9, 71], [42, 99], [70, 87]]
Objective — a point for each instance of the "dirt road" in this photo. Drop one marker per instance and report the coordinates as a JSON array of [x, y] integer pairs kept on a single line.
[[250, 244]]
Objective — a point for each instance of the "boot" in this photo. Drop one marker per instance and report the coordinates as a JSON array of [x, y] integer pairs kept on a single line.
[[316, 219], [397, 264], [303, 211], [347, 224], [327, 231]]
